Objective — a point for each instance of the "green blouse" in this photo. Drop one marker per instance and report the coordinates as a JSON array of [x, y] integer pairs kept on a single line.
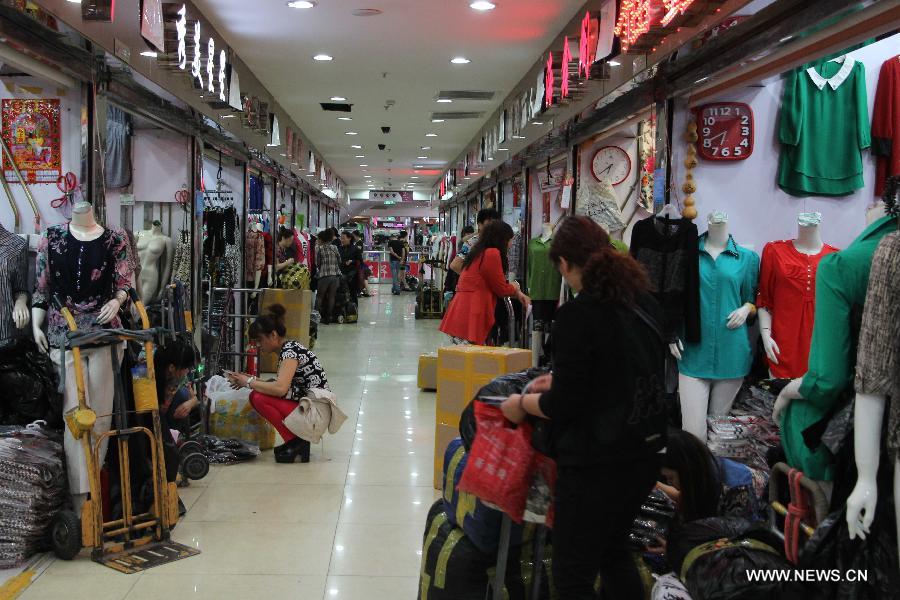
[[841, 283], [823, 127]]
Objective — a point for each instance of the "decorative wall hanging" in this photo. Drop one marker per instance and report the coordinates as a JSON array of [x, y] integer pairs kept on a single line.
[[690, 163], [31, 128]]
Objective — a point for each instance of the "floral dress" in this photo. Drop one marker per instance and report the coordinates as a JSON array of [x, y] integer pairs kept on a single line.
[[84, 275]]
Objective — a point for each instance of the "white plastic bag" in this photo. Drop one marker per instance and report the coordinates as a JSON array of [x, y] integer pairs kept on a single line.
[[219, 390]]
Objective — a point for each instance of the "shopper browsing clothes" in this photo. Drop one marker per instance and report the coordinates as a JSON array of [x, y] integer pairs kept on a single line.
[[351, 259], [397, 252], [605, 404], [298, 372], [484, 218], [328, 270], [470, 317], [287, 251]]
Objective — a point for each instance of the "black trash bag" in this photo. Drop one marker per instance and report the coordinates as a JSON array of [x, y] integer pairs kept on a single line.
[[452, 567], [28, 386], [720, 572], [220, 451], [831, 548], [504, 385]]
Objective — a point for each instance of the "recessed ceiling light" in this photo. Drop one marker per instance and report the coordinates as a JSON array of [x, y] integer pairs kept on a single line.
[[345, 118], [323, 57], [338, 99], [444, 101], [360, 156], [519, 137], [367, 177], [538, 123], [460, 60], [149, 53], [503, 149], [467, 178], [437, 120], [615, 63], [351, 133], [430, 135], [302, 4], [422, 157], [414, 177], [364, 165], [355, 147], [417, 166], [483, 5]]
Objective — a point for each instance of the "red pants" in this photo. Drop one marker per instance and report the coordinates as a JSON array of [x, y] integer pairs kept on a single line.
[[274, 410]]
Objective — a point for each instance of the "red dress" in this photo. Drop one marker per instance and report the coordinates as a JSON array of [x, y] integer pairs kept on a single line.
[[787, 289], [886, 123], [471, 313]]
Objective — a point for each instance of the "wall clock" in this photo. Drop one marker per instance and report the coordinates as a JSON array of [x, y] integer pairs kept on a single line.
[[611, 163], [725, 131]]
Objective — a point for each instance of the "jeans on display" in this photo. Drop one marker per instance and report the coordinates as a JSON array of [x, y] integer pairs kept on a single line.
[[326, 295], [595, 507], [395, 276], [274, 410]]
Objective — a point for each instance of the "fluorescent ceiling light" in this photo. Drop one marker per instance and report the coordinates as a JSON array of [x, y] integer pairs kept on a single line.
[[503, 149], [360, 156], [364, 165], [414, 177], [460, 60], [467, 178], [351, 133], [323, 57], [302, 4], [228, 116], [345, 118], [430, 135], [367, 177], [437, 120], [444, 101], [355, 147], [483, 5], [422, 157], [519, 137], [417, 166], [338, 99], [614, 63], [148, 53], [425, 148]]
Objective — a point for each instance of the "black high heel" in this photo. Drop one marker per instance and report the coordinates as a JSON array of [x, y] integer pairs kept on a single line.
[[288, 452]]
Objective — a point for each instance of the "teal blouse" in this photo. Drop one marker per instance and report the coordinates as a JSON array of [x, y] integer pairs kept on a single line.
[[726, 283]]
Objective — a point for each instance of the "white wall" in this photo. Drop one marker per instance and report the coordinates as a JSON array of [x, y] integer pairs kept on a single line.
[[759, 211], [70, 140]]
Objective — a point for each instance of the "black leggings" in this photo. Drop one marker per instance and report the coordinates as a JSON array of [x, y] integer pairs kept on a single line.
[[595, 507]]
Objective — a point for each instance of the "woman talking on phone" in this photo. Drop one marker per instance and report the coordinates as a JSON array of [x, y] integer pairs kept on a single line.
[[298, 371], [604, 403]]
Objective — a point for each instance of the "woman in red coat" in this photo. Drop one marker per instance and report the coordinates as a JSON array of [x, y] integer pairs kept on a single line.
[[470, 316]]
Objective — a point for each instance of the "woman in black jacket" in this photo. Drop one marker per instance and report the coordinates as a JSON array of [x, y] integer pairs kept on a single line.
[[604, 401]]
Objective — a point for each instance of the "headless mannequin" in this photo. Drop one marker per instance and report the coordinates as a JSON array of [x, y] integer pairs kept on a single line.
[[700, 397], [156, 252], [809, 241], [546, 232], [84, 228], [20, 314]]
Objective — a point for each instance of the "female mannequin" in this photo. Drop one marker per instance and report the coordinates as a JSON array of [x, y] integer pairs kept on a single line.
[[156, 252], [13, 294], [787, 285], [711, 371], [87, 268]]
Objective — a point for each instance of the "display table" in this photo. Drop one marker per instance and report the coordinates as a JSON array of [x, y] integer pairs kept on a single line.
[[380, 264]]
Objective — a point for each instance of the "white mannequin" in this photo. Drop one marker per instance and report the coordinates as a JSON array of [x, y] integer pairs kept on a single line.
[[20, 309], [809, 242], [546, 232], [700, 397], [83, 227], [156, 252]]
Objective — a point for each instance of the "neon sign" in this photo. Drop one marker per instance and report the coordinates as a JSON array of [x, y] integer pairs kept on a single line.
[[549, 82], [222, 78], [633, 22], [181, 29], [566, 58], [211, 66], [676, 8], [216, 74], [587, 47], [196, 71]]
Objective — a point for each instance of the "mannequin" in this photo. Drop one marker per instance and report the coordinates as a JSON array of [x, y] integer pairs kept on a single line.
[[542, 278], [87, 268], [156, 252], [711, 371], [14, 314], [787, 284], [546, 232]]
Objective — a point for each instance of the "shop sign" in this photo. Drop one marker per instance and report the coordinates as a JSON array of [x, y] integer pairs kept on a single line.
[[152, 24], [720, 29], [636, 18], [98, 10], [587, 46], [388, 195], [549, 82], [566, 59], [204, 60]]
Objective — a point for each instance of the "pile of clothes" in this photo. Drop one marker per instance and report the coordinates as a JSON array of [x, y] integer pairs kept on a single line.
[[748, 433]]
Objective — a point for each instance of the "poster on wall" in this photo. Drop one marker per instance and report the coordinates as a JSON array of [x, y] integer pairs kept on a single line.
[[31, 129], [152, 28]]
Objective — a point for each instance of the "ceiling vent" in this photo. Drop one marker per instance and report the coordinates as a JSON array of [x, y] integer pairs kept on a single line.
[[456, 115], [335, 107], [385, 130], [465, 95]]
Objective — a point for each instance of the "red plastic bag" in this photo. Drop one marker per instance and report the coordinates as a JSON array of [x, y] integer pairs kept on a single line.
[[500, 465]]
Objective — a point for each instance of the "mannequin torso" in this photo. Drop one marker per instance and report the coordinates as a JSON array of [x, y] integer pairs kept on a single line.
[[156, 252], [84, 226], [809, 240], [717, 239]]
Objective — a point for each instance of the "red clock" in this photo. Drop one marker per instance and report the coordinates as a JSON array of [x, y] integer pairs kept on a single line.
[[725, 131]]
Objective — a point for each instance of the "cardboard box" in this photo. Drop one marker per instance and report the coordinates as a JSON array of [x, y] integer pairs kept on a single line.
[[428, 365], [299, 308], [463, 370], [443, 435]]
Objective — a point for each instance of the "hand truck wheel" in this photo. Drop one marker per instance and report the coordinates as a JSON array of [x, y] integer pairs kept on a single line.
[[190, 447], [65, 534], [195, 466]]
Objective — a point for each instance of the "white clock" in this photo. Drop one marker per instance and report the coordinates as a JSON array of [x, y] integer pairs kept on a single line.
[[612, 164]]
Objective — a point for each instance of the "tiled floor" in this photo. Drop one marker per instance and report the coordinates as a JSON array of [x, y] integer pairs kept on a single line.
[[347, 526]]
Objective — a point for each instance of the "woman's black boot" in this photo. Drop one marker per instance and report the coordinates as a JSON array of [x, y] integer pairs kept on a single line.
[[288, 452]]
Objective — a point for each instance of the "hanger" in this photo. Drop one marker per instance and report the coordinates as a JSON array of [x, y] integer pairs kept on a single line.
[[669, 211]]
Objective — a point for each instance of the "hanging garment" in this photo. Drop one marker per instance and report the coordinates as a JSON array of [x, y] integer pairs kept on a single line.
[[84, 275], [787, 289], [886, 123], [669, 252], [824, 126], [598, 200], [878, 362], [181, 265], [13, 274], [254, 254], [257, 194], [117, 159], [841, 284], [516, 256], [726, 283], [543, 279]]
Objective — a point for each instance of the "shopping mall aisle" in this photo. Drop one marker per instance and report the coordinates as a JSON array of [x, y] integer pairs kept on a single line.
[[347, 526]]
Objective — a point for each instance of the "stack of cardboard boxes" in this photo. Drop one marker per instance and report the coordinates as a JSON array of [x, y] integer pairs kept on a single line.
[[461, 372]]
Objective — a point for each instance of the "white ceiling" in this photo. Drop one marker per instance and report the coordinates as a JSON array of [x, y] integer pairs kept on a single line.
[[412, 42]]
